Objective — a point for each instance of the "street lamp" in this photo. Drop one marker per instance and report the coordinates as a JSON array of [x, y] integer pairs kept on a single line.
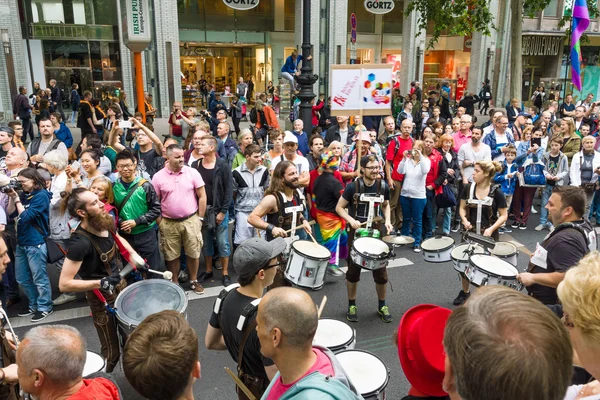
[[306, 79], [10, 66]]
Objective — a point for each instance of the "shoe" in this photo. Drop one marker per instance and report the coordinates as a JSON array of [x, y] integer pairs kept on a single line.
[[385, 315], [226, 280], [522, 226], [12, 302], [540, 227], [501, 231], [217, 264], [26, 313], [515, 225], [196, 287], [533, 210], [64, 299], [334, 270], [205, 276], [417, 249], [507, 228], [40, 315], [455, 227], [183, 277], [352, 314], [461, 298]]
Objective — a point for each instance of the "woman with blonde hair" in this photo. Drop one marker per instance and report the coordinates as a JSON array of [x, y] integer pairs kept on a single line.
[[336, 148], [571, 141], [474, 202]]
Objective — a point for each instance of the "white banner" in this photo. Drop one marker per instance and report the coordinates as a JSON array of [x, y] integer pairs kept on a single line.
[[365, 89]]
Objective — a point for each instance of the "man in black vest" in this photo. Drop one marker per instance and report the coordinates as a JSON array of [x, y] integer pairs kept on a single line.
[[45, 143]]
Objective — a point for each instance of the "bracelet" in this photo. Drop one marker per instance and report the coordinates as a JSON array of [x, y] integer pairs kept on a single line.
[[270, 228], [201, 219]]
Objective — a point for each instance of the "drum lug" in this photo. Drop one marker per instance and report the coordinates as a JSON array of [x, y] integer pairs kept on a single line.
[[484, 281]]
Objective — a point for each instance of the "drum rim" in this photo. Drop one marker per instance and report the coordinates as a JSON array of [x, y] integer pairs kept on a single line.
[[99, 356], [367, 256], [437, 250], [339, 346], [130, 322], [387, 376], [464, 244], [507, 277], [294, 249], [516, 250]]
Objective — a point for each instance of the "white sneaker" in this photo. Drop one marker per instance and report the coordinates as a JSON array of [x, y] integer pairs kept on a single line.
[[540, 227], [64, 298], [533, 210], [334, 270]]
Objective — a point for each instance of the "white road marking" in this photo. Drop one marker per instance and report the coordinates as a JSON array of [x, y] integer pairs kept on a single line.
[[398, 262]]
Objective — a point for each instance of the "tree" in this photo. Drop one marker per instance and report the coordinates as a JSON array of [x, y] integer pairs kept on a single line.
[[463, 17]]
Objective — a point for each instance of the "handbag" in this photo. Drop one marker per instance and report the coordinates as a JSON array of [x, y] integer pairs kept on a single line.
[[533, 175], [54, 251], [446, 198], [210, 218]]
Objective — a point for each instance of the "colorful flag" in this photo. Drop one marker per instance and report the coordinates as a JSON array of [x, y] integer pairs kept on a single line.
[[580, 22]]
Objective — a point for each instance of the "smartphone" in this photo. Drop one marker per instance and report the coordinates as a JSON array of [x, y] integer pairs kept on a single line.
[[75, 165], [537, 141], [125, 124]]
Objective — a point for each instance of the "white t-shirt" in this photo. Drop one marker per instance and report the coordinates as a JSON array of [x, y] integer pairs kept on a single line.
[[343, 136], [301, 163], [466, 153], [501, 141]]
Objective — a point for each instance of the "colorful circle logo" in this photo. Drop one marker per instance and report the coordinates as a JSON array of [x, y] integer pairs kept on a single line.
[[380, 93]]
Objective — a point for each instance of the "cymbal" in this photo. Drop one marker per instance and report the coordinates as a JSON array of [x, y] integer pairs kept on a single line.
[[400, 240]]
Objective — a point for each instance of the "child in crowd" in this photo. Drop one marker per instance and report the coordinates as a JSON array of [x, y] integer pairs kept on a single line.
[[507, 178], [557, 169]]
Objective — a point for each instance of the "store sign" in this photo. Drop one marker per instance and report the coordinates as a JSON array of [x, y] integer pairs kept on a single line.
[[379, 6], [241, 4], [195, 51], [136, 24], [542, 45]]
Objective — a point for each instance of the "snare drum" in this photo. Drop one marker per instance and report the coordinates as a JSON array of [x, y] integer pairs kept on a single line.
[[307, 264], [144, 298], [93, 363], [506, 251], [438, 249], [366, 371], [370, 253], [335, 335], [490, 270], [461, 253]]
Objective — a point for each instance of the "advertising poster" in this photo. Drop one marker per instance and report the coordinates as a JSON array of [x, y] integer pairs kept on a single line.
[[357, 89]]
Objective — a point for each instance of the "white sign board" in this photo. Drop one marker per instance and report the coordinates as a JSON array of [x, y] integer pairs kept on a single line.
[[365, 89], [136, 24], [241, 4], [379, 6]]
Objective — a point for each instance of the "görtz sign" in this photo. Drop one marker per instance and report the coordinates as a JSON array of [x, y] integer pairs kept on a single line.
[[379, 6], [136, 24], [241, 4], [542, 45]]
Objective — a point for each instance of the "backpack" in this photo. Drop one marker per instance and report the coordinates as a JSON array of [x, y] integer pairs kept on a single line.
[[35, 146], [253, 116]]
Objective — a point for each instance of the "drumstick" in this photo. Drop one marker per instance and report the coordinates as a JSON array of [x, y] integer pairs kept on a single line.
[[312, 237], [240, 384], [168, 275], [321, 307], [310, 223]]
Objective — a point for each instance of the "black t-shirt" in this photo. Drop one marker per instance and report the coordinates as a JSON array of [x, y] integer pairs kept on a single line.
[[498, 203], [327, 191], [85, 112], [552, 168], [564, 249], [253, 362], [81, 249], [147, 163], [363, 209], [208, 177]]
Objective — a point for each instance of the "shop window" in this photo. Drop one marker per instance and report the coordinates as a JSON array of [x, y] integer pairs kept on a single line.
[[365, 21], [79, 12], [66, 54], [191, 14], [105, 12], [257, 19], [289, 10], [392, 21]]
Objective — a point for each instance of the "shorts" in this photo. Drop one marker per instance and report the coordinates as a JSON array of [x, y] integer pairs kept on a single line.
[[175, 234]]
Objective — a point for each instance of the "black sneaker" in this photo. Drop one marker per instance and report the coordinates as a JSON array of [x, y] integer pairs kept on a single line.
[[455, 227], [352, 314], [501, 231], [40, 315], [515, 225], [26, 313], [226, 280], [461, 298], [507, 228], [522, 226], [205, 276], [385, 315]]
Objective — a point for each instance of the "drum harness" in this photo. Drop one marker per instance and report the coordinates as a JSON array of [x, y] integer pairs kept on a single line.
[[292, 219], [487, 202], [368, 199]]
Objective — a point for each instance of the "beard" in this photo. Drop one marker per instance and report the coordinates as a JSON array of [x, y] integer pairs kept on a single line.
[[474, 140], [291, 184], [102, 222]]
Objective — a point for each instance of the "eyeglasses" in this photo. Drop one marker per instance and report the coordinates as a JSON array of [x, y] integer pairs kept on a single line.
[[273, 266], [125, 166], [373, 168]]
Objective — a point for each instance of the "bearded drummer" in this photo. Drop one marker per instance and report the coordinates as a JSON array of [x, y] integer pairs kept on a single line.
[[282, 209], [483, 210], [365, 198], [94, 255]]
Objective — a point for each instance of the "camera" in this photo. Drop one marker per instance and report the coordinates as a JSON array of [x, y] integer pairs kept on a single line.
[[13, 184]]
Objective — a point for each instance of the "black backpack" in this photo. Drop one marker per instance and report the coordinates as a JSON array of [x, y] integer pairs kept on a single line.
[[253, 116]]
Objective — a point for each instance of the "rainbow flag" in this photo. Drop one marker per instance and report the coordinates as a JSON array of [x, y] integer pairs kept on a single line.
[[335, 237], [580, 21]]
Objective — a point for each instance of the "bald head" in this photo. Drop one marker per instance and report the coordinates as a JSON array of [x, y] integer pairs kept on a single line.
[[292, 312]]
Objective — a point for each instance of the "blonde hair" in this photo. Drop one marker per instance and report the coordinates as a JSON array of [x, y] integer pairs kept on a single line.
[[489, 168], [333, 144], [579, 292], [588, 139], [242, 135], [571, 125]]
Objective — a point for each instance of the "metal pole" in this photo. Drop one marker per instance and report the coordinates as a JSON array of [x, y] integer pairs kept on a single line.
[[568, 59], [139, 84], [306, 79]]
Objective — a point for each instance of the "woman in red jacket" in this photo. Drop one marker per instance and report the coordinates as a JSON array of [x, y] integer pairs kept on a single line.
[[433, 182]]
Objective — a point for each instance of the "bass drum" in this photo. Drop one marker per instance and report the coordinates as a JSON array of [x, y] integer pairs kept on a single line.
[[437, 249]]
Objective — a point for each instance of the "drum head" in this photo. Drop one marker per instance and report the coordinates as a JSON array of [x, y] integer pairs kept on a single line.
[[93, 363], [437, 243], [366, 371], [458, 253], [494, 266], [144, 298], [504, 249], [332, 333], [369, 246], [311, 249]]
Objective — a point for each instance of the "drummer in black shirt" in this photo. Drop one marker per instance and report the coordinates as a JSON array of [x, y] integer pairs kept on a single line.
[[371, 183], [494, 210], [94, 256], [256, 262]]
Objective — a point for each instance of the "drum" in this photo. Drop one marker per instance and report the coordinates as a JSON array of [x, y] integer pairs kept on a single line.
[[144, 298], [365, 232], [366, 371], [437, 249], [370, 253], [490, 270], [461, 253], [335, 335], [307, 264], [506, 251], [93, 363]]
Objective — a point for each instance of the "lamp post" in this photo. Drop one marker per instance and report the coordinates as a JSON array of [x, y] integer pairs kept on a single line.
[[306, 79], [10, 66]]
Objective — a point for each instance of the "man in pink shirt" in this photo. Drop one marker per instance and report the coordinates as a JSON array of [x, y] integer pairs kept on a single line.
[[464, 134], [286, 324], [180, 190]]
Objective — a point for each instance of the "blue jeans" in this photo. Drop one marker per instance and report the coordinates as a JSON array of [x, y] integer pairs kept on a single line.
[[546, 193], [222, 236], [428, 218], [31, 272], [447, 212], [412, 211]]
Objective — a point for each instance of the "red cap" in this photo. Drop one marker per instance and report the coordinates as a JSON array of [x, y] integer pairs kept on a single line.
[[421, 349]]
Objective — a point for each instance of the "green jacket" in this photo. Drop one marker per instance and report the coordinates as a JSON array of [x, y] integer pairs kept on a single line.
[[238, 160], [143, 206]]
